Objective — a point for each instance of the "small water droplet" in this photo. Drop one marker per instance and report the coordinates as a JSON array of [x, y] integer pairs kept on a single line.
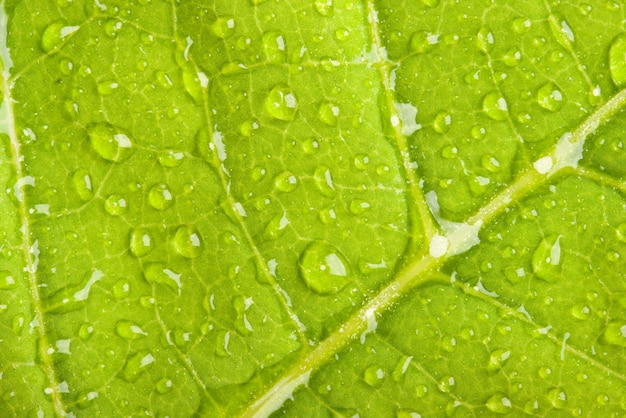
[[620, 232], [281, 103], [171, 158], [275, 46], [276, 227], [490, 163], [495, 106], [421, 391], [107, 87], [164, 385], [449, 152], [581, 311], [136, 364], [310, 146], [85, 331], [359, 206], [129, 330], [85, 399], [499, 403], [328, 113], [446, 384], [617, 60], [155, 273], [7, 281], [422, 41], [485, 40], [557, 397], [361, 162], [111, 143], [54, 34], [546, 259], [512, 57], [374, 376], [248, 128], [324, 7], [286, 182], [121, 289], [328, 216], [478, 132], [324, 268], [324, 181], [82, 184], [448, 343], [188, 242], [615, 333], [521, 25], [442, 122], [550, 97], [160, 197], [140, 242], [544, 372], [115, 205], [497, 359], [223, 27]]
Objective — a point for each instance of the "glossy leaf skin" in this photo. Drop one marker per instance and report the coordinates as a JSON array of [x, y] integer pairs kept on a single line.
[[322, 208]]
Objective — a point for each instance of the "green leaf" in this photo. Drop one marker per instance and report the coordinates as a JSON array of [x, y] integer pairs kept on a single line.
[[317, 208]]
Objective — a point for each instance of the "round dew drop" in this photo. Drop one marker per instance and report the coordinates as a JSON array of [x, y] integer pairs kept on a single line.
[[129, 330], [188, 242], [171, 158], [328, 113], [550, 97], [111, 143], [115, 205], [499, 403], [6, 280], [281, 103], [160, 197], [140, 242], [495, 106], [374, 376], [286, 182], [324, 268]]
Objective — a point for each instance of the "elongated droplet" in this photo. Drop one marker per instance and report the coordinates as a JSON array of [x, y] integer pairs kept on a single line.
[[324, 268], [188, 242], [129, 330], [54, 35], [281, 103], [111, 143], [82, 184], [495, 106], [276, 227], [546, 259], [158, 273], [324, 181], [497, 359], [617, 60], [136, 364], [140, 242], [485, 40]]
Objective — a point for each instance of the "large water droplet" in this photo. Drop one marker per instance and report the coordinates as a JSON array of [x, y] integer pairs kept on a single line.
[[557, 397], [281, 103], [274, 46], [324, 181], [82, 184], [615, 333], [110, 142], [129, 330], [72, 297], [140, 242], [546, 259], [374, 376], [286, 182], [160, 197], [617, 60], [54, 35], [495, 106], [499, 403], [115, 205], [188, 242], [324, 268], [497, 359], [136, 364], [485, 39], [550, 97]]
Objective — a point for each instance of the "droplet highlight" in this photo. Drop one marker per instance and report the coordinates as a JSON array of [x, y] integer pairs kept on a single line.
[[281, 103], [324, 268]]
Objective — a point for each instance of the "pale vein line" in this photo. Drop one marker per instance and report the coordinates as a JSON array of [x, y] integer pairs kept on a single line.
[[29, 258], [417, 274]]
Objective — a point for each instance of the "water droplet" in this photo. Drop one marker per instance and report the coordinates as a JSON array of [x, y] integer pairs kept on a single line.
[[310, 146], [140, 242], [222, 341], [442, 122], [449, 152], [129, 330], [490, 163], [374, 376], [561, 31], [499, 403], [188, 242], [324, 181], [195, 83], [72, 296], [66, 66], [328, 216], [248, 127], [107, 87], [550, 97], [112, 28], [448, 343], [275, 46], [7, 281], [136, 364], [342, 34], [115, 205], [422, 41], [160, 197], [281, 103], [446, 384], [581, 311], [617, 60], [521, 25], [157, 273], [18, 323], [615, 333], [324, 268], [358, 206], [286, 182], [546, 259], [544, 372], [171, 158], [557, 397], [85, 399], [478, 132], [421, 391], [54, 35], [276, 227], [512, 57], [223, 27], [495, 106], [164, 385], [620, 231], [121, 289], [328, 113], [82, 184], [485, 40], [324, 7], [497, 359], [111, 143], [85, 331]]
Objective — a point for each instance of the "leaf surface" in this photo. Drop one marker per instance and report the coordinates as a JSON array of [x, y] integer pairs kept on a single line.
[[326, 208]]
